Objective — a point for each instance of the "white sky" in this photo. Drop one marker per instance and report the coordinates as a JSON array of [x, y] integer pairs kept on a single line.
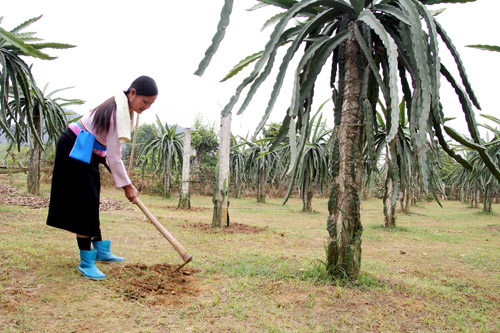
[[120, 40]]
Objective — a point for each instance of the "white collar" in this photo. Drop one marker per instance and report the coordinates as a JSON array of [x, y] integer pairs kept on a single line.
[[123, 118]]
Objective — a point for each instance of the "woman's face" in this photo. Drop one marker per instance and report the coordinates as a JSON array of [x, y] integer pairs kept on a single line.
[[139, 103]]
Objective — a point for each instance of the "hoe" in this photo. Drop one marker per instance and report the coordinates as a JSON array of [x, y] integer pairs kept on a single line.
[[177, 246]]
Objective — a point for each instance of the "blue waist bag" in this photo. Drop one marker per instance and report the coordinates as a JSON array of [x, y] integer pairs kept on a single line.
[[82, 149]]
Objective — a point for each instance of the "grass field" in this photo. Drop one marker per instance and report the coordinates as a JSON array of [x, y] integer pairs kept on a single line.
[[439, 270]]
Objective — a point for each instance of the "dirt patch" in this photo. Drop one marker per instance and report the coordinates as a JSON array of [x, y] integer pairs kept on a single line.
[[494, 227], [42, 202], [157, 284], [7, 189], [25, 200], [192, 209], [234, 228], [8, 197], [13, 297], [111, 204]]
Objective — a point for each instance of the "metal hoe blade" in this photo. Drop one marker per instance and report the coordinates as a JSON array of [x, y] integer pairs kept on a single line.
[[184, 264]]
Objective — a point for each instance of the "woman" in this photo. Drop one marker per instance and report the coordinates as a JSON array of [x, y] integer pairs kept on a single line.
[[96, 138]]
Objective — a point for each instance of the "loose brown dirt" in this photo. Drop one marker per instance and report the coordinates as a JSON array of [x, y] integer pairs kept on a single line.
[[25, 200], [8, 196], [158, 284], [192, 209], [234, 228], [7, 189], [493, 227]]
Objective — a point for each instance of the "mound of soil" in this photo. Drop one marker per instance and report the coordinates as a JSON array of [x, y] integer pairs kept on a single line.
[[110, 204], [25, 200], [8, 197], [7, 190], [157, 284], [233, 228]]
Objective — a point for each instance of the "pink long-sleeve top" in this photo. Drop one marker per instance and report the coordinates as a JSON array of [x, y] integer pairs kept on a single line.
[[114, 149]]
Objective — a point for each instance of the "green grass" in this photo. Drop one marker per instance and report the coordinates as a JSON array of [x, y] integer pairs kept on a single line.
[[438, 270]]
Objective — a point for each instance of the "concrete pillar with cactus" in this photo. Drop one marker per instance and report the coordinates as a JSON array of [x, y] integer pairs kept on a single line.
[[221, 194], [132, 149], [185, 196]]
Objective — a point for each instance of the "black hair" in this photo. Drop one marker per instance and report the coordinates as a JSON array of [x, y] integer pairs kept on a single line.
[[144, 86], [103, 115]]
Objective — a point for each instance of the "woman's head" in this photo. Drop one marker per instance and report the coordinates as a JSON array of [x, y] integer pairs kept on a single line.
[[141, 93]]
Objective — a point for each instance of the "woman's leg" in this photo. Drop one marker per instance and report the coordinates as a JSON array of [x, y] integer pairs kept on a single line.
[[87, 259], [98, 237], [83, 242]]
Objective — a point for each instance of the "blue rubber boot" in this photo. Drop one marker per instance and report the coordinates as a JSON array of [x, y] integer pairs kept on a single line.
[[87, 265], [104, 252]]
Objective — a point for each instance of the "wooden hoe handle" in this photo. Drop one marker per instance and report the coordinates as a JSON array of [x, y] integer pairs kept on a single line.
[[177, 246]]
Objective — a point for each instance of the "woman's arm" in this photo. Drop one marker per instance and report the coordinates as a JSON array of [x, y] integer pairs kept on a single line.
[[115, 163], [130, 190]]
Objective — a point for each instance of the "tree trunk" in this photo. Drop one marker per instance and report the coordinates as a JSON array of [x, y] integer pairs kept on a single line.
[[221, 200], [238, 188], [261, 195], [404, 200], [197, 165], [413, 193], [453, 193], [487, 199], [166, 184], [185, 197], [366, 192], [344, 224], [34, 156], [389, 204], [474, 198], [307, 195], [391, 187], [418, 195]]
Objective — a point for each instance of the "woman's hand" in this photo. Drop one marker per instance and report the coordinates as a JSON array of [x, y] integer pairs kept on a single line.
[[130, 193]]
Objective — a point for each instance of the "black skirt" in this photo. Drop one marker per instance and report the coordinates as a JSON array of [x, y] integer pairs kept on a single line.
[[76, 187]]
